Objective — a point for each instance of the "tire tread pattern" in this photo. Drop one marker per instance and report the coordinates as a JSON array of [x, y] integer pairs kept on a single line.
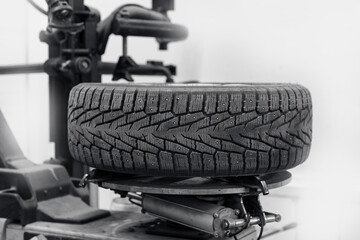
[[186, 131]]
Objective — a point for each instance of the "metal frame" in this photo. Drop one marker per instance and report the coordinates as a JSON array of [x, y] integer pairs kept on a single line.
[[70, 62], [77, 39]]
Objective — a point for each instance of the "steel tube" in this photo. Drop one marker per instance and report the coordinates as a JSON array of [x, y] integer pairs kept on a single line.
[[22, 69], [146, 28], [237, 223], [183, 210]]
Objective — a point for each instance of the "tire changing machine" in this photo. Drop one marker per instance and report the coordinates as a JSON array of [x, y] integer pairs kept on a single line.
[[44, 202]]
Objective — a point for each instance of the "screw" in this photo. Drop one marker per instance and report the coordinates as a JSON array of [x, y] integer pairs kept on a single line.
[[63, 14], [237, 212], [85, 64], [215, 215]]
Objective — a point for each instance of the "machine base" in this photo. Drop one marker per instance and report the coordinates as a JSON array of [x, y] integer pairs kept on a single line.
[[118, 226]]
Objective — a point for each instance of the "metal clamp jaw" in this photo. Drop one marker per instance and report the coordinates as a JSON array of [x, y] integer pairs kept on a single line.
[[126, 67]]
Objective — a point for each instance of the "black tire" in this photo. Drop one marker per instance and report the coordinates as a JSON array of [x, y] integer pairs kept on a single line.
[[190, 129]]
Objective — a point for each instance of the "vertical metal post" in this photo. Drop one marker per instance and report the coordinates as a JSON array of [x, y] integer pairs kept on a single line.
[[124, 46], [61, 84]]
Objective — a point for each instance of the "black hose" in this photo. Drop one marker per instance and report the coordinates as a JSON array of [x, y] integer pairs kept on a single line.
[[37, 7]]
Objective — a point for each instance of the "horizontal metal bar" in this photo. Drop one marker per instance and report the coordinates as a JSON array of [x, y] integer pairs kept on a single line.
[[107, 67], [166, 31], [22, 69], [238, 223]]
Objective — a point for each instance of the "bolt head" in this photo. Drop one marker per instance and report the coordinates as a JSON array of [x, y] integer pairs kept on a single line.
[[64, 14], [225, 224], [83, 65]]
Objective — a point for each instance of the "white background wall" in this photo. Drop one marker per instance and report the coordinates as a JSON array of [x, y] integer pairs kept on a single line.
[[315, 43]]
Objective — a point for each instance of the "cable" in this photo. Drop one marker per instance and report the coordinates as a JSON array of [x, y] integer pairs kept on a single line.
[[257, 211], [242, 228], [37, 7], [262, 224]]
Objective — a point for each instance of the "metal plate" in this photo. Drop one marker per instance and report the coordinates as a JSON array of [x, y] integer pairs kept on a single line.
[[118, 226], [191, 186]]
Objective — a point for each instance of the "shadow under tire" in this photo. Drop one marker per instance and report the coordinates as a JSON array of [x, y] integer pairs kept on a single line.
[[190, 129]]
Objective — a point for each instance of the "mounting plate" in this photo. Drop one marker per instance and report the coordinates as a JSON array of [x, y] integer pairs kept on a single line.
[[193, 186]]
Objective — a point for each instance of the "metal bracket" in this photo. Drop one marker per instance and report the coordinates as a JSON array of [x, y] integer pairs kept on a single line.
[[126, 67], [262, 184], [95, 176], [253, 182]]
